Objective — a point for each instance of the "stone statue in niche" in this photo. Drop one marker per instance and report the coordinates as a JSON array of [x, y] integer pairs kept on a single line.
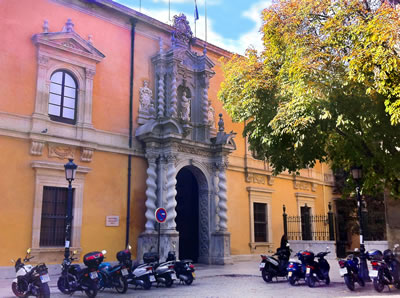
[[185, 108], [211, 115], [146, 98]]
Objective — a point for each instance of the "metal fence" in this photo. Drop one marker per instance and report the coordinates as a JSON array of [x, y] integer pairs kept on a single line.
[[309, 227]]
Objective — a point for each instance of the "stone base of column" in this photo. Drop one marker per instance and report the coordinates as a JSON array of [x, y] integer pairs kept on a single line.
[[148, 241], [221, 248]]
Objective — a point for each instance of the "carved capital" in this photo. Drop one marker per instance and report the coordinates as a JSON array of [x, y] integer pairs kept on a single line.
[[87, 154], [90, 72], [222, 166], [171, 158], [43, 60], [37, 147], [152, 157]]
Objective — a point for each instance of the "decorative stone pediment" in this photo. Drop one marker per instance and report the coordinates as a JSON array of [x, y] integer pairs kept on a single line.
[[70, 41]]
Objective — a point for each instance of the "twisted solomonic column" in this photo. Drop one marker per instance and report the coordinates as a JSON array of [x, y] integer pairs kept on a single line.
[[173, 110], [161, 102], [204, 106], [222, 203], [151, 192], [171, 191]]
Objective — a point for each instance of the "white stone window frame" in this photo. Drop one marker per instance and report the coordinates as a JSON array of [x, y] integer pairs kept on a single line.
[[64, 51], [264, 196], [53, 174], [303, 199]]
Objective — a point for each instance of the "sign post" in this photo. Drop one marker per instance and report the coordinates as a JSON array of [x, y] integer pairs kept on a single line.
[[161, 216]]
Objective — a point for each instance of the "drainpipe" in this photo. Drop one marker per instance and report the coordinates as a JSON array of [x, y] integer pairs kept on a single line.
[[128, 206]]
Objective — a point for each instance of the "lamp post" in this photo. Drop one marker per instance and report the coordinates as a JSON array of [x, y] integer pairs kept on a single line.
[[356, 172], [70, 171]]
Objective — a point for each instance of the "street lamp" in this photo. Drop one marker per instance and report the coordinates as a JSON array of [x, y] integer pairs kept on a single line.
[[70, 171], [356, 172]]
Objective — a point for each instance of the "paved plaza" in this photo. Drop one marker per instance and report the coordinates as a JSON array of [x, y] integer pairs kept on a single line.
[[242, 279]]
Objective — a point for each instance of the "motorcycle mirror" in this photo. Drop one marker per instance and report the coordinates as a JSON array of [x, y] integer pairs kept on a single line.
[[103, 251], [12, 261], [28, 251], [396, 245], [356, 249], [129, 246], [288, 244], [74, 252]]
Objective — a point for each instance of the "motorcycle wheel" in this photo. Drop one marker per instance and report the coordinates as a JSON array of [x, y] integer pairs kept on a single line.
[[64, 282], [348, 279], [146, 283], [189, 280], [266, 275], [327, 280], [44, 291], [120, 284], [92, 288], [17, 292], [310, 281], [168, 281], [292, 280], [378, 285]]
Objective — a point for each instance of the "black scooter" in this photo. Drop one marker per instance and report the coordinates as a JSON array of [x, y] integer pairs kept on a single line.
[[184, 269], [317, 271], [385, 268], [271, 267], [74, 278]]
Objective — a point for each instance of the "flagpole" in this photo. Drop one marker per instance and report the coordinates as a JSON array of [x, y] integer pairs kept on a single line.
[[169, 10], [205, 17]]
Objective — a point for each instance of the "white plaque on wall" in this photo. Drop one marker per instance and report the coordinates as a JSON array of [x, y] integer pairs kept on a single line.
[[112, 221]]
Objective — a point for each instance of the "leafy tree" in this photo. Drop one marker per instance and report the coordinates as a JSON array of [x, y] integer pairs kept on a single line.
[[325, 88]]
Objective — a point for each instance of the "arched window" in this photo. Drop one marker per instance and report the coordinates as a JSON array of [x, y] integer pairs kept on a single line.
[[63, 97]]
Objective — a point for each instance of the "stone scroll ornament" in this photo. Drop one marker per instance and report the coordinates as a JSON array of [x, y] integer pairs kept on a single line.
[[185, 108], [151, 192]]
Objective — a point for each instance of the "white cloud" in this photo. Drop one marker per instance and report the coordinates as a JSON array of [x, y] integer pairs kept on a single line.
[[239, 45]]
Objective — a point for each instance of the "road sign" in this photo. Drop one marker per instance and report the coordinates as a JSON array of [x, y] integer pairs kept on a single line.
[[161, 215]]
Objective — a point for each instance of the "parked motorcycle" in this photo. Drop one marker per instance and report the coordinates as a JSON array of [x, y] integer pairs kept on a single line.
[[31, 280], [184, 269], [317, 271], [112, 277], [136, 274], [74, 278], [385, 268], [164, 272], [297, 268], [350, 271], [271, 267]]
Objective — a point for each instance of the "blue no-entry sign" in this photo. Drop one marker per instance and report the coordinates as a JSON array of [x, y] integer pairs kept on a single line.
[[161, 215]]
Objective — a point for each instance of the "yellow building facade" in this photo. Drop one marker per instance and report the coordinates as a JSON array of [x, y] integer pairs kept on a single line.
[[134, 102]]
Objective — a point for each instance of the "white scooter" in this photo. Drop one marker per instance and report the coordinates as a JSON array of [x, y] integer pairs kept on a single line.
[[30, 280]]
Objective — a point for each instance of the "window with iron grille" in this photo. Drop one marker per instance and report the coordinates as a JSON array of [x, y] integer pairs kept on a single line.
[[54, 212], [260, 222], [63, 97]]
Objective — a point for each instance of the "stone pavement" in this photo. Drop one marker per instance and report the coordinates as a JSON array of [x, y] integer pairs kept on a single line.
[[241, 279]]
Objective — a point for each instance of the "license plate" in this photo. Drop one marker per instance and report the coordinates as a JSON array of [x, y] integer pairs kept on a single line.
[[343, 271], [44, 278], [308, 270], [173, 276], [152, 278], [124, 272], [290, 273], [93, 275], [262, 265], [194, 275], [373, 273]]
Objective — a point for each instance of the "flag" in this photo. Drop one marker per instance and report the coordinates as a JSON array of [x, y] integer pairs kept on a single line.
[[196, 12]]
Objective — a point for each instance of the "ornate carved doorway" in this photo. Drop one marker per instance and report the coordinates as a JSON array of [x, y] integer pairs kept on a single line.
[[187, 218]]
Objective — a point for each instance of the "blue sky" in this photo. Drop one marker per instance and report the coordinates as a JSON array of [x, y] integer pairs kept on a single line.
[[231, 24]]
